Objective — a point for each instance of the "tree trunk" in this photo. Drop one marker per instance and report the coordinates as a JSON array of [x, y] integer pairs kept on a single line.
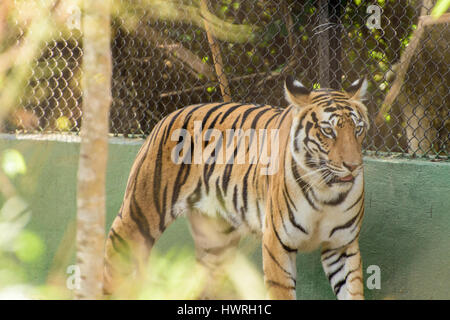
[[324, 43], [329, 33], [335, 34], [94, 146]]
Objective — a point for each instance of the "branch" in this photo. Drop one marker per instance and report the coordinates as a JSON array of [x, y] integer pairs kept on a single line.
[[217, 57], [177, 51], [405, 59], [178, 92], [174, 11]]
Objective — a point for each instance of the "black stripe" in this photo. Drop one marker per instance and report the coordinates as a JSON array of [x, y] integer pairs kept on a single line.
[[155, 130], [195, 196], [233, 128], [122, 247], [182, 176], [210, 111], [356, 202], [286, 111], [247, 113], [245, 189], [141, 222], [209, 168], [162, 220], [346, 225], [328, 257], [219, 196], [285, 247], [320, 97], [349, 242], [315, 120], [297, 130], [303, 185], [286, 190], [235, 198], [157, 178], [226, 177], [342, 196], [172, 121], [208, 131], [277, 284], [343, 255], [276, 262], [291, 215], [331, 275], [257, 116], [330, 109], [361, 209], [308, 139], [229, 111], [270, 120], [253, 126], [337, 287]]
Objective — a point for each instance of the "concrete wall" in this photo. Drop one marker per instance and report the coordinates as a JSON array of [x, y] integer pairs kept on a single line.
[[406, 230]]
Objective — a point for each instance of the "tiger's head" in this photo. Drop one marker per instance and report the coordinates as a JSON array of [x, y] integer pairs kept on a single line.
[[327, 132]]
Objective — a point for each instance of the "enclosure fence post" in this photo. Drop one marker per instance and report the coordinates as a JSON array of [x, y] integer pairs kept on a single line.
[[323, 43]]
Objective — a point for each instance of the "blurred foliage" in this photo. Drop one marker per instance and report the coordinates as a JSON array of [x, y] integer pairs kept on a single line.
[[19, 246], [13, 163], [176, 275], [440, 8]]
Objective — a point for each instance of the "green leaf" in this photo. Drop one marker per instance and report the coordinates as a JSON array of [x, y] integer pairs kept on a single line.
[[63, 123], [28, 246], [440, 8], [13, 163]]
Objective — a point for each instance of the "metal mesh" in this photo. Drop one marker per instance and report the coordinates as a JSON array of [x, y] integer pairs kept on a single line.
[[162, 61]]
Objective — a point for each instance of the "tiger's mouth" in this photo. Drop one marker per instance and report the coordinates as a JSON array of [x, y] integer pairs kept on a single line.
[[333, 177], [347, 178]]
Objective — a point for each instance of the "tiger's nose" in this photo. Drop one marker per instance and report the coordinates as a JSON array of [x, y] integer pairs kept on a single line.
[[350, 166]]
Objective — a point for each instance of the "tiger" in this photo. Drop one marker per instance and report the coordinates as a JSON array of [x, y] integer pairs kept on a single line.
[[299, 188]]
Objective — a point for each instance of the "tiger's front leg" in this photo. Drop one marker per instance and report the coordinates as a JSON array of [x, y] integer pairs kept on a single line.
[[343, 268], [279, 264]]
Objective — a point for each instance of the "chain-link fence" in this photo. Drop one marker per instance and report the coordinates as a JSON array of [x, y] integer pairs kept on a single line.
[[163, 60]]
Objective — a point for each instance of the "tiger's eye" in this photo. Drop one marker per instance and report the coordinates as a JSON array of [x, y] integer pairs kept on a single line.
[[328, 131], [359, 129]]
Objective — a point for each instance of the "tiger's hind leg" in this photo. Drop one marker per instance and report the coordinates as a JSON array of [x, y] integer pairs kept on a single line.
[[133, 234], [215, 245]]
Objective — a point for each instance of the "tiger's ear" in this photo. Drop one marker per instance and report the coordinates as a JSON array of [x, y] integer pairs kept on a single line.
[[295, 92], [358, 89]]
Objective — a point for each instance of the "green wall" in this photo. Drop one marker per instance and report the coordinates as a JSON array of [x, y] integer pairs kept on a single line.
[[406, 230]]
